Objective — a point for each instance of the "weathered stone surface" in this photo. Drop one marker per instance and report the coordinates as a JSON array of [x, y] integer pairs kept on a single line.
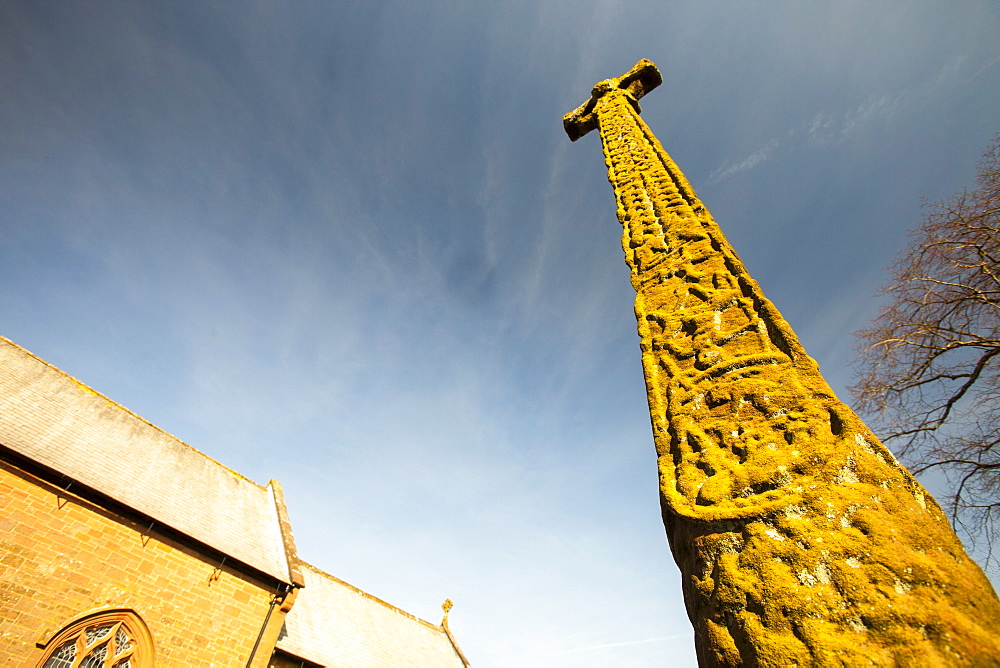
[[800, 539]]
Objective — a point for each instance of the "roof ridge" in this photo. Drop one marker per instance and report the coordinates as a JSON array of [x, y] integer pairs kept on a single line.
[[320, 571], [118, 406]]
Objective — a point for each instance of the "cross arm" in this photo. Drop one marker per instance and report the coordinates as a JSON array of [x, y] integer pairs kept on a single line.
[[642, 78]]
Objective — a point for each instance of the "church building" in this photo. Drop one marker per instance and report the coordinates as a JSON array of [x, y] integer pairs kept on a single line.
[[123, 547]]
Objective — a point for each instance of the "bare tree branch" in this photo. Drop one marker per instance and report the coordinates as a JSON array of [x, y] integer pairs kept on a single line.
[[929, 367]]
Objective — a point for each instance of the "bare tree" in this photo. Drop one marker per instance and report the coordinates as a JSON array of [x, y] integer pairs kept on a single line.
[[930, 364]]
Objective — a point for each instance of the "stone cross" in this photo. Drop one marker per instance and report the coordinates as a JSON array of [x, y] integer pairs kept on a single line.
[[800, 539]]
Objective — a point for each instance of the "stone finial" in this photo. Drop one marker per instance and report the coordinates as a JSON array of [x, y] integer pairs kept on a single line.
[[642, 78], [447, 606]]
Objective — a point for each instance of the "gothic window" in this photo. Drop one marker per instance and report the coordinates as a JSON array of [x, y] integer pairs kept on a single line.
[[281, 659], [111, 639]]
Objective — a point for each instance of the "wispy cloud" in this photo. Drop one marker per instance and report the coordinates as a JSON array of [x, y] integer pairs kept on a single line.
[[823, 129], [982, 69], [350, 248], [627, 643], [729, 168]]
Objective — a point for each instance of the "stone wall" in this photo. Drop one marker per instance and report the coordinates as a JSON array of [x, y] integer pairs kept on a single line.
[[62, 556]]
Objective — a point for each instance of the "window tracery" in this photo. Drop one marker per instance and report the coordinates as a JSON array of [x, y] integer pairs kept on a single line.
[[114, 639]]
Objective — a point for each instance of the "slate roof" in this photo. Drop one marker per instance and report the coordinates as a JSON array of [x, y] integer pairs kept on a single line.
[[61, 423], [333, 623]]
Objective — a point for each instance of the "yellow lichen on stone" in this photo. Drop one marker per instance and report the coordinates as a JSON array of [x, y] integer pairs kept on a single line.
[[800, 538]]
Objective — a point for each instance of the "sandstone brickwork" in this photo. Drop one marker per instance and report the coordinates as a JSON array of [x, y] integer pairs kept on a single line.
[[59, 422], [120, 542], [800, 539], [62, 557]]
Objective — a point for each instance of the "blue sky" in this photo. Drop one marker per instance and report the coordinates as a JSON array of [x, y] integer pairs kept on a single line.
[[348, 246]]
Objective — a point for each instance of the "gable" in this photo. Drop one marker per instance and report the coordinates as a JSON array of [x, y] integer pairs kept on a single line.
[[57, 421]]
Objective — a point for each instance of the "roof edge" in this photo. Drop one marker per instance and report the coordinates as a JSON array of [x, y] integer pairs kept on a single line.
[[285, 528], [69, 486], [371, 597], [454, 643], [89, 390]]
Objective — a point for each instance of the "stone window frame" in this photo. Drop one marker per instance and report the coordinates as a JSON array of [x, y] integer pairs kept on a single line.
[[141, 640], [283, 659]]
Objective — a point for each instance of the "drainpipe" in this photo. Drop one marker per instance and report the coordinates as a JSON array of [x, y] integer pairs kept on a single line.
[[275, 600]]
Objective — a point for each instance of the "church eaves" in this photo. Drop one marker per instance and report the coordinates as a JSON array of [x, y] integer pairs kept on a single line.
[[55, 420], [336, 624]]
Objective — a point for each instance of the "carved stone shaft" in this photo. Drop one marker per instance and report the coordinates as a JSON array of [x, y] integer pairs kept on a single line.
[[800, 539]]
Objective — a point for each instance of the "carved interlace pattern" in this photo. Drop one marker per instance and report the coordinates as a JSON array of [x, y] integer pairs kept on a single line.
[[738, 408], [800, 539]]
